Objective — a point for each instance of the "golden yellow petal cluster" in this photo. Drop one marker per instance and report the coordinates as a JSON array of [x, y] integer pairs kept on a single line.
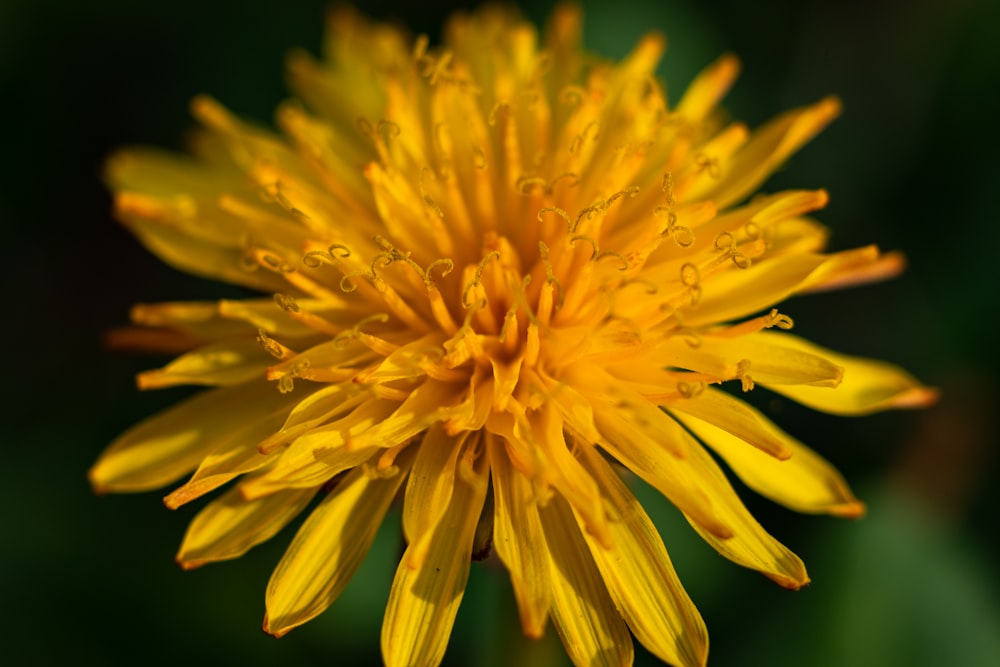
[[493, 270]]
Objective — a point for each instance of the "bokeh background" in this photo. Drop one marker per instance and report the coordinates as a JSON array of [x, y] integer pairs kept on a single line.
[[911, 165]]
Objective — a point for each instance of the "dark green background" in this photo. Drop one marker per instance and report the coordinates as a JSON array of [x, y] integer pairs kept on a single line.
[[911, 165]]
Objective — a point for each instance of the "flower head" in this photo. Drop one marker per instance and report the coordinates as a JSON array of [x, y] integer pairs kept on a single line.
[[495, 271]]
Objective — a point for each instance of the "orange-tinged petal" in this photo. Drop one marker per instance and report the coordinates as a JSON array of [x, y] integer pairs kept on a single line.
[[425, 596], [329, 547], [590, 626], [640, 578], [868, 385], [230, 525], [519, 540], [854, 267], [800, 479], [170, 444]]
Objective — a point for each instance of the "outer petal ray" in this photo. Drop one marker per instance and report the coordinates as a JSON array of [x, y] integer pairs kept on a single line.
[[867, 386], [520, 541], [163, 448], [230, 525], [584, 615], [329, 547], [802, 480], [425, 598], [640, 578]]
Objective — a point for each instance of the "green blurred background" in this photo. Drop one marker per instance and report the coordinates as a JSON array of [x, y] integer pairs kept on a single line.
[[911, 165]]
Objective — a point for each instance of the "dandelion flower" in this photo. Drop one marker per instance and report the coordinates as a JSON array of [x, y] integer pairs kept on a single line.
[[495, 274]]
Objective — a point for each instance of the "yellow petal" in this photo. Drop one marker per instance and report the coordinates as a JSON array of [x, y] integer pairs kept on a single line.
[[424, 599], [770, 146], [320, 407], [739, 292], [653, 447], [166, 446], [235, 455], [763, 356], [323, 452], [263, 314], [429, 489], [803, 481], [258, 444], [156, 227], [867, 386], [558, 467], [163, 174], [230, 525], [198, 318], [327, 450], [640, 578], [699, 489], [216, 364], [708, 88], [582, 611], [329, 547], [214, 320], [736, 417], [519, 540], [854, 267], [750, 545]]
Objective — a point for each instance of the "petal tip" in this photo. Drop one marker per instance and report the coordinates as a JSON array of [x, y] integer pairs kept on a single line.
[[917, 397], [269, 629], [849, 510], [729, 64], [830, 107], [188, 565], [789, 583]]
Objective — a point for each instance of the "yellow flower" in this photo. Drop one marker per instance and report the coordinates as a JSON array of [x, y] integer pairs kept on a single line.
[[500, 268]]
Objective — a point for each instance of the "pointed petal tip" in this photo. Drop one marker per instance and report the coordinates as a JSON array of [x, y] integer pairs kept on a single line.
[[534, 629], [916, 398], [203, 106], [154, 379], [655, 41], [96, 486], [175, 499], [730, 65], [102, 483], [851, 510], [789, 583], [188, 565], [268, 628], [830, 107]]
